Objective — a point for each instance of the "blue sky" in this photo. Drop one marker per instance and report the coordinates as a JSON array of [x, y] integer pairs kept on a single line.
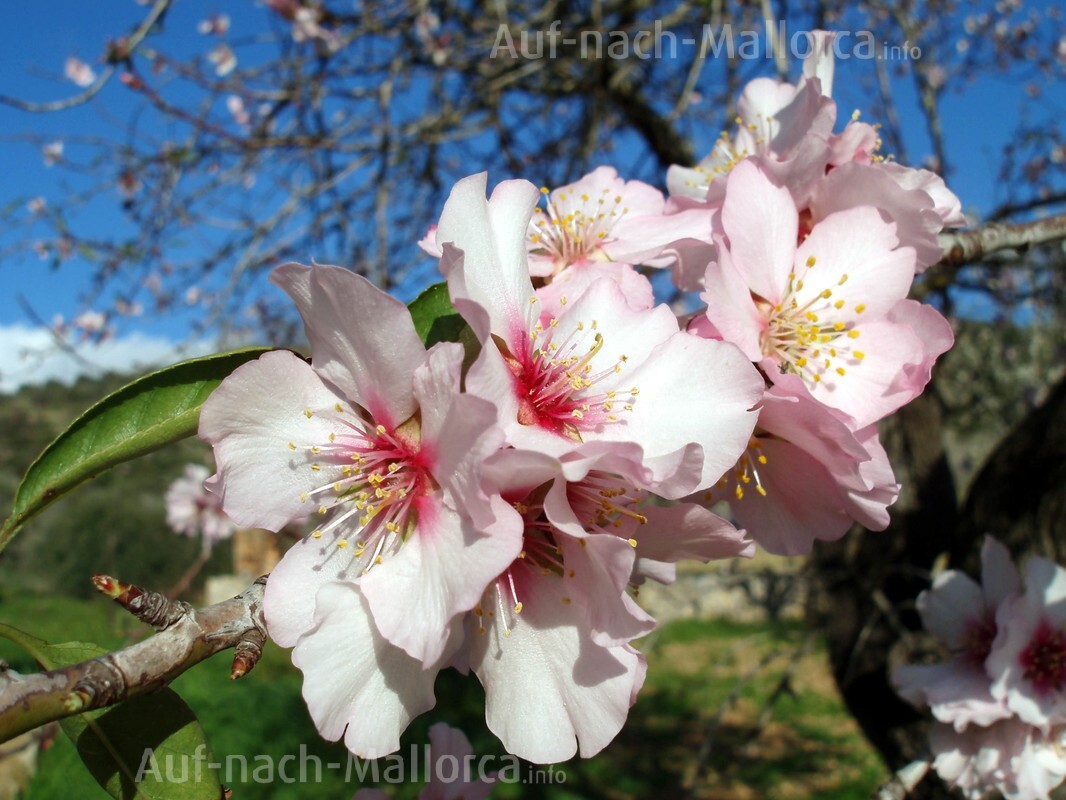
[[977, 123]]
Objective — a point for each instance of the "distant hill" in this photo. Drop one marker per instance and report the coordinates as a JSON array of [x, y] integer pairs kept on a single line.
[[115, 524]]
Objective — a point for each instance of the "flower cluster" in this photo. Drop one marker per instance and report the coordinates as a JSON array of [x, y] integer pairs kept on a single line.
[[489, 507], [815, 241], [999, 698]]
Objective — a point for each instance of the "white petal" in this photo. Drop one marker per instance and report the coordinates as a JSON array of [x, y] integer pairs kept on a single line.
[[356, 684]]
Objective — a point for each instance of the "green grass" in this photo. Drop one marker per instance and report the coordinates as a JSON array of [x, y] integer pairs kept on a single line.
[[809, 748]]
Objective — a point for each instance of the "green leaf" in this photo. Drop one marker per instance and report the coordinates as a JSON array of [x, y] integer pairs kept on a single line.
[[160, 408], [155, 735], [436, 320]]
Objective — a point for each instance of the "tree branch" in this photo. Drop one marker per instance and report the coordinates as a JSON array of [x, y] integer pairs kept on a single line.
[[968, 247], [187, 636], [119, 51]]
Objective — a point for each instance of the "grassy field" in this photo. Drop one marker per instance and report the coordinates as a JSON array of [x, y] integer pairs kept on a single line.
[[709, 688]]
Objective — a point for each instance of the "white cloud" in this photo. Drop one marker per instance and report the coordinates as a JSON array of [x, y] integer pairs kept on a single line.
[[30, 356]]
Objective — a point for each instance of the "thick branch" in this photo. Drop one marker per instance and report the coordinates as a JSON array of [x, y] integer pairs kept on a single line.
[[969, 247], [187, 636]]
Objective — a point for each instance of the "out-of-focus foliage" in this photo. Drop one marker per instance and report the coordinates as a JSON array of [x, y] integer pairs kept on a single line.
[[116, 526]]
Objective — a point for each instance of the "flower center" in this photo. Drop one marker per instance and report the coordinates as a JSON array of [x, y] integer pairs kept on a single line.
[[603, 501], [556, 379], [600, 500], [807, 337], [371, 477], [745, 474], [977, 644], [574, 227], [1044, 660]]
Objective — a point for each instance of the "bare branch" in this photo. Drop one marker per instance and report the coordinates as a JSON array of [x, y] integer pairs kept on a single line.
[[120, 51], [187, 636], [969, 247]]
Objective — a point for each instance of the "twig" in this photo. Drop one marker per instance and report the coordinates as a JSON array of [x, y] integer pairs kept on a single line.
[[707, 745], [784, 683], [186, 637], [128, 45], [904, 781], [187, 577]]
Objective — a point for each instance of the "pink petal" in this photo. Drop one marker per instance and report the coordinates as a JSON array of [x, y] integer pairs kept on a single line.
[[362, 340], [639, 239], [573, 281], [307, 566], [999, 576], [859, 244], [730, 309], [803, 501], [694, 393], [598, 569], [492, 272], [688, 531], [762, 224], [250, 419], [444, 741], [871, 388], [854, 185], [949, 606], [441, 571]]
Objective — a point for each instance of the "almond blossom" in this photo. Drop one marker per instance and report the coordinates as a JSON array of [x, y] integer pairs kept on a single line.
[[787, 130], [376, 436], [78, 72], [787, 127], [599, 371], [1028, 658], [563, 603], [806, 475], [1008, 756], [962, 615], [801, 307], [602, 217], [194, 511], [996, 695]]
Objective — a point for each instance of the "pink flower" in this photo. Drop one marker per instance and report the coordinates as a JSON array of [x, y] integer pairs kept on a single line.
[[806, 475], [801, 309], [602, 217], [600, 371], [194, 511], [787, 131], [79, 72], [787, 127], [224, 59], [1028, 658], [563, 604], [1009, 756], [376, 432], [962, 615]]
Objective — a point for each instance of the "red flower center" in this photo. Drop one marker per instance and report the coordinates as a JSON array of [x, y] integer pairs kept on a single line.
[[1044, 660]]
